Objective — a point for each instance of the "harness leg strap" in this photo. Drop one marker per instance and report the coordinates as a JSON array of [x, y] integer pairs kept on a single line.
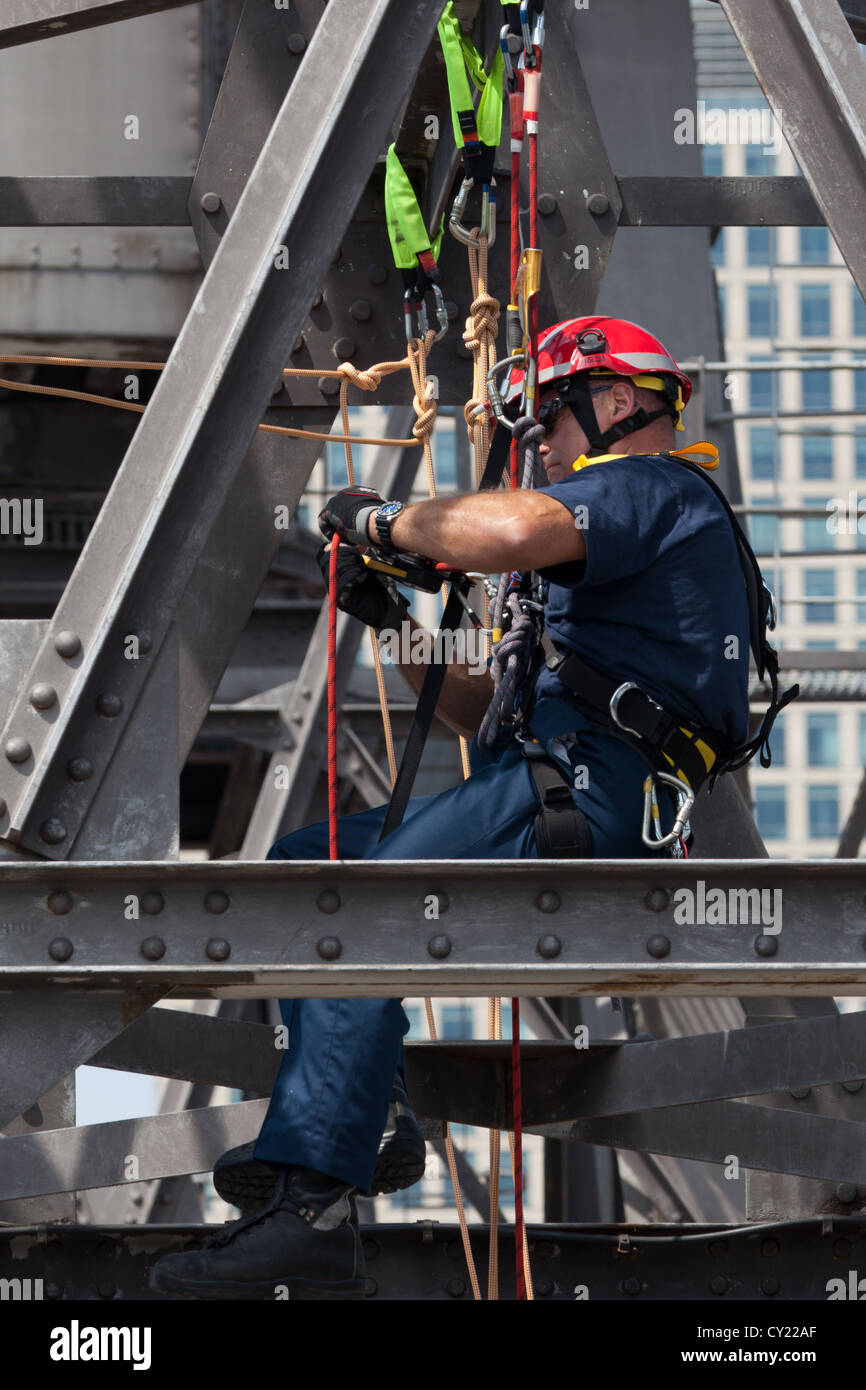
[[561, 828]]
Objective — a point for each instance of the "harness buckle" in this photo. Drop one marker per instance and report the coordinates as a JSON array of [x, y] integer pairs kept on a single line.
[[614, 706], [651, 809]]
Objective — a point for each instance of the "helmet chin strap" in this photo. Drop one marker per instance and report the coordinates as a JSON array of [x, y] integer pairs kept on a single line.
[[579, 399]]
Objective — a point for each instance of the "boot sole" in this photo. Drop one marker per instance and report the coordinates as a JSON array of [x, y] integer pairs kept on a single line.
[[249, 1186], [299, 1290]]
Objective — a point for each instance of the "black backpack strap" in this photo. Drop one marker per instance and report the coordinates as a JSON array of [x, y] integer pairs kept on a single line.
[[561, 828]]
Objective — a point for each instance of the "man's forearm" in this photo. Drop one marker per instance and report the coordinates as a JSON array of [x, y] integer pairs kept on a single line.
[[466, 691]]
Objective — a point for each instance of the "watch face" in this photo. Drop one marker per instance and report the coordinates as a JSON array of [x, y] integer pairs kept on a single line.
[[390, 508]]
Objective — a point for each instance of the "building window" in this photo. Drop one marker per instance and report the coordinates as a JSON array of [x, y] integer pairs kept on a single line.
[[777, 741], [814, 245], [717, 250], [814, 311], [762, 533], [822, 740], [861, 593], [860, 455], [817, 456], [759, 163], [456, 1021], [445, 458], [713, 160], [761, 452], [823, 812], [858, 313], [762, 387], [820, 584], [859, 383], [816, 532], [721, 300], [760, 245], [863, 740], [761, 309], [771, 812], [817, 386]]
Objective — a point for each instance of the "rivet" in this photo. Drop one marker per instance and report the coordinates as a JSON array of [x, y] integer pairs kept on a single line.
[[211, 202], [717, 1248], [330, 948], [545, 1250], [52, 831], [328, 385], [218, 948], [59, 902], [769, 1248], [67, 644], [109, 705], [719, 1284], [60, 948], [371, 1248], [846, 1191], [766, 945], [79, 769], [842, 1248], [456, 1287], [770, 1286], [344, 348], [329, 901], [371, 1288], [544, 1288], [296, 43], [153, 948], [852, 1087], [145, 642], [658, 947], [452, 309], [152, 902], [548, 947], [54, 1290], [377, 274], [43, 696], [657, 899], [546, 204], [442, 898], [801, 1092], [318, 300], [216, 901], [361, 310], [548, 900], [439, 947], [17, 750], [631, 1285], [598, 204]]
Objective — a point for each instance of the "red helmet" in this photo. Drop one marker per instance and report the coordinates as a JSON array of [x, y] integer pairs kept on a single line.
[[604, 345]]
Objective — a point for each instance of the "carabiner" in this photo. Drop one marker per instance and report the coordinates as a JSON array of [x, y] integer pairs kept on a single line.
[[651, 809], [488, 214], [494, 395], [412, 300], [506, 54], [532, 39], [441, 312]]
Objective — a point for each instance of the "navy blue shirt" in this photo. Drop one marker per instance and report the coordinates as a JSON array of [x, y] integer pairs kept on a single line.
[[660, 599]]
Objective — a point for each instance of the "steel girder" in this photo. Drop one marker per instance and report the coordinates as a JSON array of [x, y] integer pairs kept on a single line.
[[187, 451], [23, 21]]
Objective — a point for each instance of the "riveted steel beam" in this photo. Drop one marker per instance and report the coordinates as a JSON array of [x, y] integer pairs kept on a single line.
[[23, 21]]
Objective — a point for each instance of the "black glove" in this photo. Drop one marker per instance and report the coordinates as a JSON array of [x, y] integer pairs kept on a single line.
[[346, 513], [361, 592]]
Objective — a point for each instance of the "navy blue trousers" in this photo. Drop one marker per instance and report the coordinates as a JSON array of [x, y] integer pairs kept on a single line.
[[330, 1102]]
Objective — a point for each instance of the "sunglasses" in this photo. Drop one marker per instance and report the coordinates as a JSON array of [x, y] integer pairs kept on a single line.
[[549, 412]]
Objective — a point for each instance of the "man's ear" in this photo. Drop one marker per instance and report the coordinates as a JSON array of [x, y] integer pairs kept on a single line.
[[624, 400]]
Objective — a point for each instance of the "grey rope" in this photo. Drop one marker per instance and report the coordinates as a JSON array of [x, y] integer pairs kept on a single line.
[[511, 659]]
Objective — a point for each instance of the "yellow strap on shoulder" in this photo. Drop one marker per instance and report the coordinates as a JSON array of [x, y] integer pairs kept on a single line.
[[702, 447]]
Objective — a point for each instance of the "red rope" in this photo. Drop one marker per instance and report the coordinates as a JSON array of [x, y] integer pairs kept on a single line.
[[332, 699]]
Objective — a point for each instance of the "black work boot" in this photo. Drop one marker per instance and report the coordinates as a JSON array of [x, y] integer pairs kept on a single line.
[[304, 1244], [248, 1182]]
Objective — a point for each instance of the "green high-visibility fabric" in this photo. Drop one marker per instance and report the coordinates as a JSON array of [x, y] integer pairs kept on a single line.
[[406, 229], [460, 53]]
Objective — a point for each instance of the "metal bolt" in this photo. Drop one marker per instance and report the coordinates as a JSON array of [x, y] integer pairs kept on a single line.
[[451, 309], [658, 947], [145, 642], [361, 310], [546, 204], [549, 947], [52, 831], [18, 750], [631, 1285], [109, 706], [211, 202], [330, 948], [296, 43], [719, 1284], [153, 948], [852, 1087], [439, 947], [67, 644], [717, 1248], [769, 1248], [598, 204], [544, 1288], [545, 1250], [61, 948], [548, 900], [345, 347], [318, 300], [766, 945], [770, 1286], [657, 899], [152, 902], [218, 948], [43, 696], [842, 1248], [216, 901], [79, 769], [329, 901], [377, 274], [801, 1092], [371, 1288], [328, 385], [60, 902], [441, 897], [456, 1287], [846, 1191]]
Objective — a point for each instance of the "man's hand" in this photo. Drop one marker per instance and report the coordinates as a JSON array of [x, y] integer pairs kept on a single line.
[[360, 591], [346, 514]]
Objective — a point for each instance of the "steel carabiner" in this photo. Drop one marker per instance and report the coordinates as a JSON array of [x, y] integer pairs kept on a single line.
[[488, 214]]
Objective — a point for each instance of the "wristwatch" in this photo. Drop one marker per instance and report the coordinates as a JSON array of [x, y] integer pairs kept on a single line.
[[384, 517]]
